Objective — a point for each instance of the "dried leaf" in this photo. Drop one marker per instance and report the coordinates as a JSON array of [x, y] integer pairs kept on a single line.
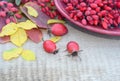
[[4, 39], [19, 38], [9, 29], [17, 2], [12, 53], [41, 20], [2, 23], [51, 21], [35, 35], [28, 55], [27, 25], [55, 38], [31, 11]]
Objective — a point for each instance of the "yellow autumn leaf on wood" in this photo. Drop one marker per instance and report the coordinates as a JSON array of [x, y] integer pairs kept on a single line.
[[51, 21], [27, 25], [19, 38], [55, 38], [9, 29], [31, 11], [28, 55], [12, 53]]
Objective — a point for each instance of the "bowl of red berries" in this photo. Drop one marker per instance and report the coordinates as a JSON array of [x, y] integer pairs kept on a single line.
[[101, 16]]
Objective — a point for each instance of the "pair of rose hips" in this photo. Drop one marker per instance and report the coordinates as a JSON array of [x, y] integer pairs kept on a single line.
[[60, 30], [72, 47]]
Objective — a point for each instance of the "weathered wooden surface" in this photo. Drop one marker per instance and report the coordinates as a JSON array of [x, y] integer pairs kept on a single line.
[[100, 60]]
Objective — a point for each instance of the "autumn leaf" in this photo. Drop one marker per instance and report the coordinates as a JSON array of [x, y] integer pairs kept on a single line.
[[28, 55], [35, 35], [4, 39], [9, 29], [51, 21], [19, 38], [27, 25], [12, 53], [55, 38], [31, 11], [2, 23], [41, 20]]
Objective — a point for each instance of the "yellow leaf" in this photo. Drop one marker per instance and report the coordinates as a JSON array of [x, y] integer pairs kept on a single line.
[[19, 38], [51, 21], [55, 38], [27, 25], [31, 11], [12, 53], [9, 29], [28, 55]]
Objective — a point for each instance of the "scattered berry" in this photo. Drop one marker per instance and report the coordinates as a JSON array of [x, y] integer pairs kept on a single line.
[[59, 29], [73, 49], [50, 47]]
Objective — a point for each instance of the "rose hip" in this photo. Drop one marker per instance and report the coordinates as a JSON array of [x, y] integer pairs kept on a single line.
[[50, 47], [73, 48], [59, 29]]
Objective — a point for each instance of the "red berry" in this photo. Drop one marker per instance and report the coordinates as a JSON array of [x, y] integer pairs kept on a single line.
[[87, 12], [89, 18], [82, 4], [97, 9], [73, 48], [104, 25], [18, 16], [13, 9], [93, 5], [7, 21], [59, 29], [13, 19], [71, 15], [118, 20], [1, 3], [79, 14], [52, 3], [118, 4], [3, 14], [84, 22], [108, 8], [75, 18], [9, 5], [96, 17], [95, 22], [50, 47], [92, 12]]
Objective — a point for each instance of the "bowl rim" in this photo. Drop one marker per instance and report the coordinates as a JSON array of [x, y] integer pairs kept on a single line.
[[113, 32]]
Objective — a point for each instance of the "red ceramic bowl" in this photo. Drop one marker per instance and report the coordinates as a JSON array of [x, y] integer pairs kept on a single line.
[[61, 8]]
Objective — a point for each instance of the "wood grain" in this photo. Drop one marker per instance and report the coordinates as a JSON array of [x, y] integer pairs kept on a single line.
[[100, 60]]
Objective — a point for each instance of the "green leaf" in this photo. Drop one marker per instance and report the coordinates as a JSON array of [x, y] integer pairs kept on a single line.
[[17, 2]]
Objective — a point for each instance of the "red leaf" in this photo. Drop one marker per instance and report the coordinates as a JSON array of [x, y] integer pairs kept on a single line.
[[42, 18], [4, 39], [35, 35]]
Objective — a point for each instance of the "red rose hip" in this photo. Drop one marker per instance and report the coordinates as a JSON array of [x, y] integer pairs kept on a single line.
[[50, 47], [59, 29], [73, 48]]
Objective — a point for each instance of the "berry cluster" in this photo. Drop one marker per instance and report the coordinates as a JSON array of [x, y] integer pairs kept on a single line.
[[105, 13], [9, 12], [48, 7]]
